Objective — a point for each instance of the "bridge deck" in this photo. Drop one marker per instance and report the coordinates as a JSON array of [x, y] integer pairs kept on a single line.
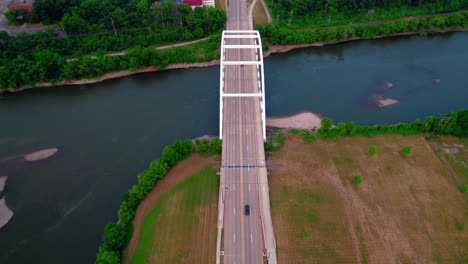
[[246, 239]]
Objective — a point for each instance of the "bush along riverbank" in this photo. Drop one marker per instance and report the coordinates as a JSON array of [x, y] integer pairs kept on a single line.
[[280, 34], [455, 124], [117, 234]]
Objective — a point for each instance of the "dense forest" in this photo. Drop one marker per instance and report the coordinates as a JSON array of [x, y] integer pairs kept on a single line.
[[333, 12], [280, 34], [96, 27]]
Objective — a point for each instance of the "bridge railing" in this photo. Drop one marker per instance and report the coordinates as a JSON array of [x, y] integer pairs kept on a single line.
[[258, 62]]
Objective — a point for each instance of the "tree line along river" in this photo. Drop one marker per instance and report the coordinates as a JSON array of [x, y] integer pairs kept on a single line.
[[108, 132]]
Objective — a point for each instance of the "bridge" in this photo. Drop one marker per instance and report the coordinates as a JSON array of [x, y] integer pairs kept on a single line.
[[241, 238]]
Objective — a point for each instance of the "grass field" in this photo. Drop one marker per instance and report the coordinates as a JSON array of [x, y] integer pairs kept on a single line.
[[407, 209], [180, 225]]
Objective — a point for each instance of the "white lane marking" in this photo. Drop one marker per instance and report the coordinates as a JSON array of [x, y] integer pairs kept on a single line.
[[234, 209], [247, 148], [249, 187], [234, 187], [247, 131], [251, 239], [234, 237]]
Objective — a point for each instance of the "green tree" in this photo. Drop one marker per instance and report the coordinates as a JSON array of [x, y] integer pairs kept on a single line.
[[107, 256], [327, 123], [16, 16], [74, 24], [116, 236]]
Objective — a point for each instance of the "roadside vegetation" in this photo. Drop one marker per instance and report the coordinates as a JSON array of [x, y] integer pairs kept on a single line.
[[98, 27], [118, 234]]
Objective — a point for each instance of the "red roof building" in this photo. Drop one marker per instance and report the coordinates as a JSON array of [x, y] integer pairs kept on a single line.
[[27, 5], [193, 3]]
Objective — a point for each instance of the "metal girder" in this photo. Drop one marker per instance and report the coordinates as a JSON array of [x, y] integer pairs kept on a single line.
[[257, 47], [241, 95], [242, 46], [242, 62], [240, 36]]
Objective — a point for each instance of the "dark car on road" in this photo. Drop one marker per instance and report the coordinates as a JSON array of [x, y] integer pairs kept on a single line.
[[247, 209]]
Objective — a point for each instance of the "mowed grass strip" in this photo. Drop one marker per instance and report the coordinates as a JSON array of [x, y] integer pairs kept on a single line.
[[182, 226], [406, 209]]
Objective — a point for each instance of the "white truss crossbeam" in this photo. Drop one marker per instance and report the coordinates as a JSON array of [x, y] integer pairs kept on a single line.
[[241, 46], [257, 47], [227, 32], [242, 95], [242, 63], [241, 36]]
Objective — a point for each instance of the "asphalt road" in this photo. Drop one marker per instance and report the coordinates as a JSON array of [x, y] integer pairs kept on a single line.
[[243, 171]]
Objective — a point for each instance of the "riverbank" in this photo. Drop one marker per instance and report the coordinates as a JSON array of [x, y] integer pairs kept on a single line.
[[272, 50], [285, 48]]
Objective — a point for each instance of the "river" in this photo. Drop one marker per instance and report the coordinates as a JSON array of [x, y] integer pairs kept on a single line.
[[108, 132]]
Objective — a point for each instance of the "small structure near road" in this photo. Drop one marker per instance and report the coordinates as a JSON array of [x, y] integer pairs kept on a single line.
[[27, 5], [195, 3]]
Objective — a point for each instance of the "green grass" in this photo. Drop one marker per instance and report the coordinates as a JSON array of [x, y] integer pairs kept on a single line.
[[406, 150], [176, 213], [357, 179], [372, 150]]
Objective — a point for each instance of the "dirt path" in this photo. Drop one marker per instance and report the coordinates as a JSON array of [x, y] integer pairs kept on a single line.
[[177, 174], [121, 53]]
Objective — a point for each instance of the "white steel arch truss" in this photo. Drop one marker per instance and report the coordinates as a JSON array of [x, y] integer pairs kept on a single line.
[[257, 47]]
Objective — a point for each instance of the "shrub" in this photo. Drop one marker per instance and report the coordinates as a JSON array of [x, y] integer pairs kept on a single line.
[[406, 150], [275, 141], [307, 136], [357, 179], [464, 188], [460, 225], [107, 256], [372, 150]]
